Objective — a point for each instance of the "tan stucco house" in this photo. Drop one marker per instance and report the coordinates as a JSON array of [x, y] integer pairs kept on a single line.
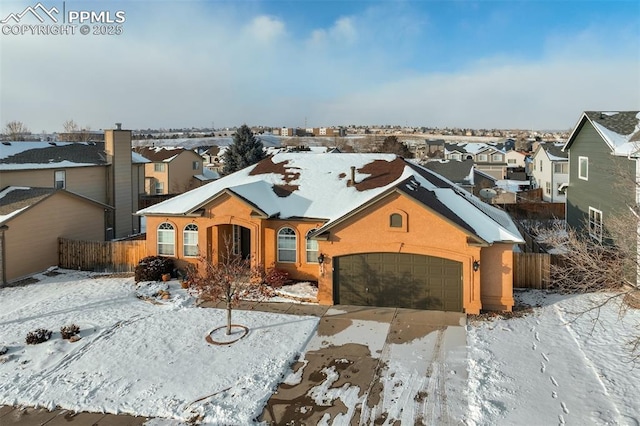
[[371, 229], [173, 170], [32, 220]]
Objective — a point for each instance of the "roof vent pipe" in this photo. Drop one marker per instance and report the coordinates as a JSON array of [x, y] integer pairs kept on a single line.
[[353, 175], [118, 126]]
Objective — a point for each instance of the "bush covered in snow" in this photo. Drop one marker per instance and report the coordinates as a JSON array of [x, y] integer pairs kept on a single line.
[[68, 331], [39, 335], [151, 268]]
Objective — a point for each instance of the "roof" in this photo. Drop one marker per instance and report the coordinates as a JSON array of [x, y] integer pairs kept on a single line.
[[296, 186], [554, 151], [15, 199], [55, 155], [458, 171], [619, 129], [473, 147], [160, 153]]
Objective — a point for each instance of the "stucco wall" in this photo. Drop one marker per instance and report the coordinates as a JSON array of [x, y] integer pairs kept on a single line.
[[32, 238], [496, 275]]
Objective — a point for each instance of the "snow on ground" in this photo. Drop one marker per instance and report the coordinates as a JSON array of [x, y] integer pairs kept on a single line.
[[546, 367], [554, 366], [137, 357]]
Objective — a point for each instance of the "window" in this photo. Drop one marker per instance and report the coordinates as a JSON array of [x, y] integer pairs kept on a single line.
[[561, 168], [60, 179], [312, 249], [287, 245], [190, 240], [595, 223], [583, 168], [395, 220], [196, 165], [158, 167], [496, 158], [511, 161], [159, 187], [547, 187], [166, 240], [455, 156], [540, 165], [482, 157]]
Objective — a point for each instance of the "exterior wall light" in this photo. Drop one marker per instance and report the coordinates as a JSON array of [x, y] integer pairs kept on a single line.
[[321, 258], [476, 265]]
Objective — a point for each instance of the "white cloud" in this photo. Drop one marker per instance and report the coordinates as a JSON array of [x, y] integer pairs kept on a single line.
[[265, 29]]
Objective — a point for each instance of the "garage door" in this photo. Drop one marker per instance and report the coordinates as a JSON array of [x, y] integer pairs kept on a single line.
[[398, 280]]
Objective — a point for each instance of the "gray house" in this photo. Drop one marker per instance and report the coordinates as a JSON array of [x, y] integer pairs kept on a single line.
[[604, 162]]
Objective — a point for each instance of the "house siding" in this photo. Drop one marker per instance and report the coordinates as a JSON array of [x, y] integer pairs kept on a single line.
[[31, 242], [611, 179]]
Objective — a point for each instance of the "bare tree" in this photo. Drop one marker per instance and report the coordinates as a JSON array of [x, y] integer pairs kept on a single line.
[[16, 130], [75, 133], [224, 281]]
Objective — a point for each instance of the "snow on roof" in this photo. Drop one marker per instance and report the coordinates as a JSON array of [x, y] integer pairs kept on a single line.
[[138, 159], [619, 129], [622, 145], [293, 185]]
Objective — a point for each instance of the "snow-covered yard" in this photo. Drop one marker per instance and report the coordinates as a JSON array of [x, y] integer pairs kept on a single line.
[[151, 359]]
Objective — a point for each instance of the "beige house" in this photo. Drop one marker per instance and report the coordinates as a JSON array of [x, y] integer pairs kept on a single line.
[[32, 220], [106, 172], [172, 170]]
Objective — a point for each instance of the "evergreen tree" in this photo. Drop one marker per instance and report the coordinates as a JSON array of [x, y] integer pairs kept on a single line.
[[392, 145], [245, 150]]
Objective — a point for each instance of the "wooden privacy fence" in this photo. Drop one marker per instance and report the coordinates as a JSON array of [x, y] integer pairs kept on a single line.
[[532, 270], [101, 256]]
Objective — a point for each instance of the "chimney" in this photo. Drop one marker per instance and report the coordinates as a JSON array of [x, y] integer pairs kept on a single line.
[[118, 126], [353, 175]]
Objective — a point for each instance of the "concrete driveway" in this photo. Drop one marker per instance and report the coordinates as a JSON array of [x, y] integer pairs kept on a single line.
[[376, 366]]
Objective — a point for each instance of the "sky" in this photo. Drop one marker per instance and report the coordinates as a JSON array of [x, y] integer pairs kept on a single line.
[[314, 63]]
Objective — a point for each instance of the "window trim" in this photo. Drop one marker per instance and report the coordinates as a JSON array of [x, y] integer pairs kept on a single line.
[[63, 180], [595, 226], [159, 167], [293, 236], [185, 245], [561, 165], [166, 227], [196, 165], [396, 225], [310, 250], [157, 184], [496, 158], [547, 188], [482, 158], [586, 169]]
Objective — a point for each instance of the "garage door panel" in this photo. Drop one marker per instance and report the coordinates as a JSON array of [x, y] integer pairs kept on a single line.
[[398, 280]]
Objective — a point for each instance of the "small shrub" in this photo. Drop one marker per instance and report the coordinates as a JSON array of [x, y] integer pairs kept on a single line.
[[68, 331], [151, 268], [38, 336], [276, 278]]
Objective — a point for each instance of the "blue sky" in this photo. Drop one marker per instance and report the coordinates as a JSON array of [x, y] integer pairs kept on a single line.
[[480, 64]]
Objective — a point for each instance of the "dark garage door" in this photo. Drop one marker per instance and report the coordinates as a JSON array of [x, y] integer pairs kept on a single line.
[[398, 280]]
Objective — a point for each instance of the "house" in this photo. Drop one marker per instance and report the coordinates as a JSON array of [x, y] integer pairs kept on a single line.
[[515, 159], [490, 158], [32, 220], [604, 152], [371, 229], [550, 171], [172, 170], [106, 172]]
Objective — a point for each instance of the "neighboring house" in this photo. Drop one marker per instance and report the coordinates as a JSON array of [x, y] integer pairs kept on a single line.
[[550, 171], [459, 172], [106, 172], [32, 220], [372, 229], [604, 158], [172, 170], [488, 158], [515, 159]]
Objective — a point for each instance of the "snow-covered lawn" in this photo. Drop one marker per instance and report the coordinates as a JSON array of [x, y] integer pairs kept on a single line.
[[554, 366], [151, 359], [139, 357]]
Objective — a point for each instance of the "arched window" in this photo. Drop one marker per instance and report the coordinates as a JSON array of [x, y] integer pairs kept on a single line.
[[312, 249], [287, 242], [166, 240], [190, 240], [395, 220]]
